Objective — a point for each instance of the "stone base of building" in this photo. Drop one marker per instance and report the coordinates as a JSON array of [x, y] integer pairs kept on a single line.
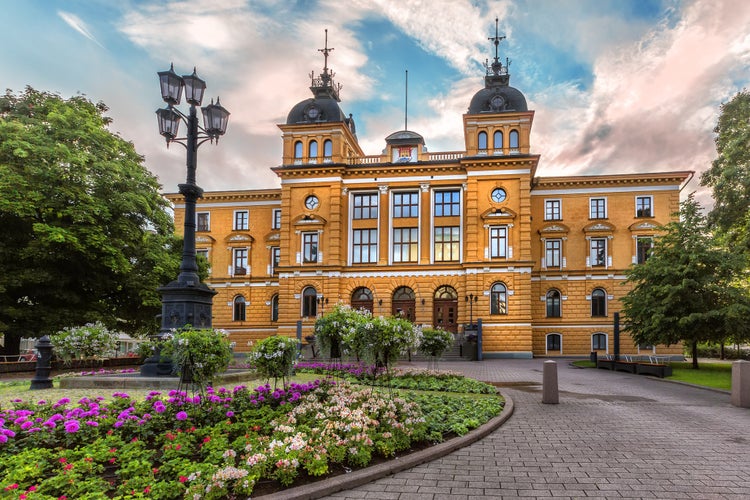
[[508, 355]]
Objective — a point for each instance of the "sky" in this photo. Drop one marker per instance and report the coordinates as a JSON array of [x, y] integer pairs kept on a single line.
[[617, 86]]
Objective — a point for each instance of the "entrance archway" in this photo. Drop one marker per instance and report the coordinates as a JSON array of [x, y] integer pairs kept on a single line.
[[404, 303], [445, 309]]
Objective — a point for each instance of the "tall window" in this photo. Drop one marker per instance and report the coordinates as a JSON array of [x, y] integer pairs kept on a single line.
[[598, 254], [598, 342], [309, 247], [365, 206], [362, 299], [240, 261], [275, 258], [554, 342], [598, 302], [598, 208], [364, 246], [309, 302], [513, 139], [498, 299], [241, 220], [447, 203], [275, 308], [482, 141], [327, 148], [643, 206], [552, 253], [405, 244], [203, 221], [276, 223], [298, 149], [498, 242], [447, 244], [239, 308], [497, 140], [203, 252], [552, 210], [405, 205], [643, 246], [553, 304], [312, 149]]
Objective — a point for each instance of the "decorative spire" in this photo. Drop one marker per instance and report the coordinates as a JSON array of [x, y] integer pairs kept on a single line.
[[323, 85], [497, 74]]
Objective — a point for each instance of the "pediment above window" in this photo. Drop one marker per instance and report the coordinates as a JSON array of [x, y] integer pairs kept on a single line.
[[309, 220], [501, 214], [554, 229], [599, 227], [204, 238], [645, 226], [273, 237], [239, 238]]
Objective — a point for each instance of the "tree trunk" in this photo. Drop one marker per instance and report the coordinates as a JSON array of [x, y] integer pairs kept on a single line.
[[695, 354]]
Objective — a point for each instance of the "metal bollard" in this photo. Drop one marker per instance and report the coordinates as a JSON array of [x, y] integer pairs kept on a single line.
[[740, 395], [41, 378], [550, 393]]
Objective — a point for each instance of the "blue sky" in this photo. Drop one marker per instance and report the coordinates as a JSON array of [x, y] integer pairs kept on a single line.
[[618, 86]]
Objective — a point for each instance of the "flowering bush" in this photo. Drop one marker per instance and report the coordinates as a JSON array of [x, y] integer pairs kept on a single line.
[[204, 352], [435, 341], [383, 339], [342, 322], [274, 357], [91, 340]]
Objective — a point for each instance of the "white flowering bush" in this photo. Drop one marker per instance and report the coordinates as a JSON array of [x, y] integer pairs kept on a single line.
[[338, 330], [205, 352], [435, 341], [273, 357], [384, 340], [92, 340]]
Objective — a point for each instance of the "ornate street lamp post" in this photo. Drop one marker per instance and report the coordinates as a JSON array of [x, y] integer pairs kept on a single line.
[[186, 301], [471, 298]]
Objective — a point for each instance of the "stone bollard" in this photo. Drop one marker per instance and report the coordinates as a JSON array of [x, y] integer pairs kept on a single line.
[[550, 393], [41, 378], [741, 384]]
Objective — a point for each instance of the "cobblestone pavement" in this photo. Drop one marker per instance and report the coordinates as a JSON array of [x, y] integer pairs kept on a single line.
[[613, 435]]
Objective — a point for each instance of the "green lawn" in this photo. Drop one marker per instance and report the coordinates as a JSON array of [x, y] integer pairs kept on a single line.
[[714, 374]]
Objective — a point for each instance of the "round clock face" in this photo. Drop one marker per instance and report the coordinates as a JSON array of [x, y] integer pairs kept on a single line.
[[498, 195], [311, 202], [313, 112], [497, 102]]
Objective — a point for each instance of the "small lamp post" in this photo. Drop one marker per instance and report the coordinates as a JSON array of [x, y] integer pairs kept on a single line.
[[186, 301], [471, 299], [321, 302]]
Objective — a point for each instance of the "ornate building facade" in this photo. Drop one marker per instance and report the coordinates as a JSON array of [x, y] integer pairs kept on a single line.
[[443, 238]]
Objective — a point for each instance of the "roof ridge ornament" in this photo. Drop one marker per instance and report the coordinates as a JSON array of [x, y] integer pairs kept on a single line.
[[497, 73], [323, 85]]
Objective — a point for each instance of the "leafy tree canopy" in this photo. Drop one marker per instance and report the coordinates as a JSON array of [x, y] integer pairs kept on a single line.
[[690, 289], [86, 234]]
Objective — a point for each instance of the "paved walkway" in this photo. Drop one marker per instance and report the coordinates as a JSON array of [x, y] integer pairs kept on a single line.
[[613, 435]]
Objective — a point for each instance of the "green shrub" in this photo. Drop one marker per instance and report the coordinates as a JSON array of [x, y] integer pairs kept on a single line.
[[205, 351], [274, 357], [435, 341], [92, 340]]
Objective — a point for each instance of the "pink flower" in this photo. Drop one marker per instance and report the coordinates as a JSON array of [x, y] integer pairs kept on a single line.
[[181, 415]]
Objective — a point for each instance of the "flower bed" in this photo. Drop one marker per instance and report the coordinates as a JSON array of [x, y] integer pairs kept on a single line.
[[228, 443]]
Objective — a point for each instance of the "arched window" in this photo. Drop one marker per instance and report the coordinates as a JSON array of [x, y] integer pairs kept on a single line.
[[497, 140], [482, 141], [362, 299], [498, 299], [553, 304], [275, 308], [513, 139], [446, 292], [239, 308], [554, 342], [298, 149], [312, 149], [327, 148], [599, 342], [403, 303], [309, 302], [598, 302]]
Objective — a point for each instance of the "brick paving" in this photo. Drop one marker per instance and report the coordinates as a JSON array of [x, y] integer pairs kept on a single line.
[[613, 435]]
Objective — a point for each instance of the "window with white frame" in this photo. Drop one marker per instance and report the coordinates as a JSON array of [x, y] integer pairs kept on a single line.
[[552, 210], [405, 204], [643, 247], [309, 247], [241, 220], [447, 244], [644, 206], [298, 149], [239, 308], [482, 141], [239, 261], [497, 141], [498, 242], [203, 221], [554, 342], [599, 342], [553, 302], [364, 246], [309, 302], [598, 252], [203, 252], [275, 258], [598, 208], [553, 253], [405, 244], [499, 299], [365, 206], [513, 140], [276, 223], [598, 302], [447, 203]]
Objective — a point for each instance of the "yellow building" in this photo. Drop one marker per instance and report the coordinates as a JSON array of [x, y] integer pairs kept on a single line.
[[443, 238]]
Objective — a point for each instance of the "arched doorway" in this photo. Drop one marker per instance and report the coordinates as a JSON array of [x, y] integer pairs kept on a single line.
[[445, 309], [362, 299], [404, 303]]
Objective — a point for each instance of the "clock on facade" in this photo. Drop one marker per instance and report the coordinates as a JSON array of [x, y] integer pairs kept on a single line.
[[498, 195], [313, 112], [311, 202]]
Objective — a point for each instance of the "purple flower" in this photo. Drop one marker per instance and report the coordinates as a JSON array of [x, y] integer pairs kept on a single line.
[[118, 424], [72, 426], [92, 423], [25, 426], [230, 414], [3, 438], [181, 415]]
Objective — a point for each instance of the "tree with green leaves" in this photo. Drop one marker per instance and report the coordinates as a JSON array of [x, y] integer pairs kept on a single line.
[[689, 290], [729, 175], [86, 235]]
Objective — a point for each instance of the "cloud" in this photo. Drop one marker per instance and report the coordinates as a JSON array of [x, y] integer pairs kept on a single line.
[[77, 24]]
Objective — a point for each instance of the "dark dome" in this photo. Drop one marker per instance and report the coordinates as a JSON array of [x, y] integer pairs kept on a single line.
[[497, 99], [316, 110], [403, 137]]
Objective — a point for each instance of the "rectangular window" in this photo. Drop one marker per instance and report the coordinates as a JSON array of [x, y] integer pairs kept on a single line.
[[643, 206], [498, 242], [276, 224], [240, 220], [405, 244], [240, 261], [203, 221], [364, 246], [447, 244], [447, 203], [598, 208], [204, 253], [405, 205], [365, 206], [309, 247], [275, 258], [598, 253], [643, 248], [552, 253], [599, 342], [552, 210]]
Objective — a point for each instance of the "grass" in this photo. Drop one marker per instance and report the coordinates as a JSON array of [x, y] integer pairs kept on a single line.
[[713, 374]]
